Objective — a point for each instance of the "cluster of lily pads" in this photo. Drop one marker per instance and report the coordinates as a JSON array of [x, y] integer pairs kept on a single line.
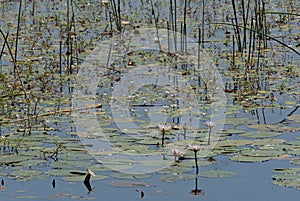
[[39, 147]]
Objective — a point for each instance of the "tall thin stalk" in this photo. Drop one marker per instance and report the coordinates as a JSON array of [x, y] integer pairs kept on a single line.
[[202, 24], [17, 35], [16, 67], [116, 8], [237, 30], [156, 23]]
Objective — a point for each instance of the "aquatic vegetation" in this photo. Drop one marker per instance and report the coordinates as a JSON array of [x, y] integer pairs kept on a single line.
[[210, 125], [177, 154], [195, 148], [164, 128], [252, 44]]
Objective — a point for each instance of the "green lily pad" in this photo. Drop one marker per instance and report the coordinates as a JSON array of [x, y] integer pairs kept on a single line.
[[58, 172], [295, 161], [130, 176], [97, 177], [268, 141], [232, 143], [294, 117], [290, 183], [158, 162], [217, 174], [10, 159], [287, 170], [288, 178], [149, 141], [239, 121], [178, 177], [262, 152], [70, 164], [260, 134], [249, 159], [128, 184], [231, 131], [32, 163], [175, 169], [263, 126], [24, 175]]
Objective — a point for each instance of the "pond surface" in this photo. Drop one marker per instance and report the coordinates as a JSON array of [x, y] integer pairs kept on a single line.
[[160, 99]]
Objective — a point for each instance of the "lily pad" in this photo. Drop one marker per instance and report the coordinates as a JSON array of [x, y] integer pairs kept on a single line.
[[231, 131], [294, 117], [128, 184], [10, 159], [217, 174], [177, 177], [24, 175], [130, 176], [295, 161], [58, 172], [262, 152], [81, 178], [175, 169], [249, 159], [288, 178], [260, 134]]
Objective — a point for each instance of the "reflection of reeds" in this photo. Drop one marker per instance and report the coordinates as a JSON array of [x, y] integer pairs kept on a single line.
[[235, 26], [156, 23], [116, 11], [173, 20]]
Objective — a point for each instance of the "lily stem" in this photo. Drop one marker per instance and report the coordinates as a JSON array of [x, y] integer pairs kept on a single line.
[[196, 163], [163, 138], [208, 142]]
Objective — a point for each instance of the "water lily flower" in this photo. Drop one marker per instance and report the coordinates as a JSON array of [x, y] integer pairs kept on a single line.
[[195, 148], [164, 128], [210, 125], [177, 154]]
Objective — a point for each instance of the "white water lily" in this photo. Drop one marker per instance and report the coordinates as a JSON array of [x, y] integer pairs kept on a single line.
[[164, 127], [210, 124], [194, 147], [177, 153]]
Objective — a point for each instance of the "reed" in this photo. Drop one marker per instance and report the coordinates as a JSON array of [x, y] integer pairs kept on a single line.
[[16, 67], [17, 34], [236, 27], [203, 22], [116, 11], [156, 23], [184, 27]]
